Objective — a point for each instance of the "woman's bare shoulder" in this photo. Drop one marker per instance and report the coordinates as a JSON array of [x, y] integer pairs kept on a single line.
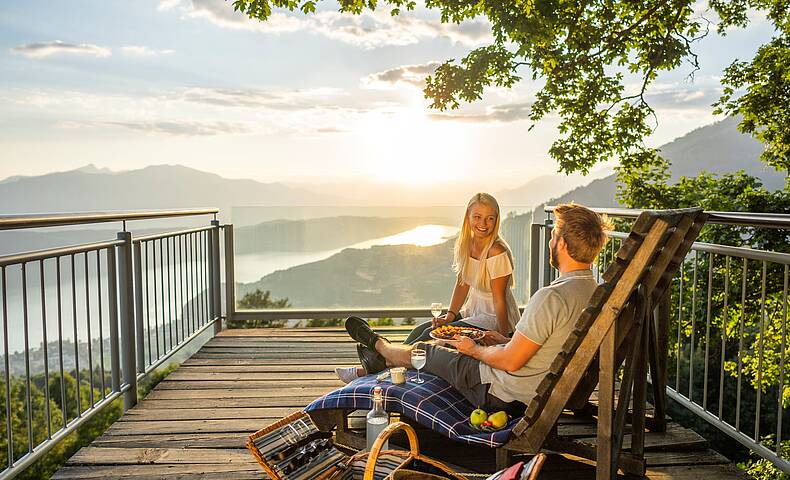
[[496, 249]]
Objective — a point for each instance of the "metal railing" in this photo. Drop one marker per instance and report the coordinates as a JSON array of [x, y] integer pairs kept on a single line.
[[111, 312], [104, 315], [727, 321]]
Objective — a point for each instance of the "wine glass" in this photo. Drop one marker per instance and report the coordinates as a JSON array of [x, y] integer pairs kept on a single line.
[[436, 310], [418, 361]]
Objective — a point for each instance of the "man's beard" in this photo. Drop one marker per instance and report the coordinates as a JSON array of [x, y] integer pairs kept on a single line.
[[553, 257]]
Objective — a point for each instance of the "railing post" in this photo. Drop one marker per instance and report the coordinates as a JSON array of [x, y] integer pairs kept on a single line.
[[534, 259], [138, 310], [126, 294], [214, 268], [112, 295], [230, 276], [546, 238]]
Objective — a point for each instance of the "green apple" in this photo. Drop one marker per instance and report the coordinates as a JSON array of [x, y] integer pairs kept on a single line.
[[498, 419], [477, 417]]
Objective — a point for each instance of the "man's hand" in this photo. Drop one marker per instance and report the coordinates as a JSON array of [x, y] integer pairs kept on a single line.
[[440, 320], [492, 337], [463, 344]]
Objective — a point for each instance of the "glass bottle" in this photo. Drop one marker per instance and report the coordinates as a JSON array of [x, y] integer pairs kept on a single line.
[[377, 420]]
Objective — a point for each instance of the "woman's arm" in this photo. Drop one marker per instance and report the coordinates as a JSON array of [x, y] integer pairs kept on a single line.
[[460, 290], [498, 290]]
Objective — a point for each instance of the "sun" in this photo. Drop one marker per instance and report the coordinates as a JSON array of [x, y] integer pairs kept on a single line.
[[407, 147]]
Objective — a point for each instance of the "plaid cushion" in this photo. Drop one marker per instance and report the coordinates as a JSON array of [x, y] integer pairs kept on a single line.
[[434, 404]]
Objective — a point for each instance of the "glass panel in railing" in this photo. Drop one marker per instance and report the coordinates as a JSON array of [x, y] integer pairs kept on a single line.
[[358, 257]]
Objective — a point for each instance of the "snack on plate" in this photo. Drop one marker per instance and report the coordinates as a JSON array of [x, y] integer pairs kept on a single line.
[[447, 332]]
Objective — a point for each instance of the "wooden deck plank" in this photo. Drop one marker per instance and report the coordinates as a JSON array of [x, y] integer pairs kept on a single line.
[[303, 375], [294, 402], [234, 393], [133, 456], [195, 422], [306, 367], [183, 440], [182, 385], [167, 415], [247, 425], [251, 362], [156, 472]]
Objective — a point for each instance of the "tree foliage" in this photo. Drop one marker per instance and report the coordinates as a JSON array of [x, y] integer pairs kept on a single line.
[[58, 404], [583, 54], [260, 300]]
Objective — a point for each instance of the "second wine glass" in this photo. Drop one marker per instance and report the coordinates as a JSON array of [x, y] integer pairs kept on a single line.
[[418, 361], [436, 310]]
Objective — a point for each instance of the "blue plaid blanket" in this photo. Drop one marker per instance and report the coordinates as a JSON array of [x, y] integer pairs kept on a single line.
[[434, 404]]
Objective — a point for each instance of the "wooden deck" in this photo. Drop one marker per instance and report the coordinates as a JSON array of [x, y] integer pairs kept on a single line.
[[194, 423]]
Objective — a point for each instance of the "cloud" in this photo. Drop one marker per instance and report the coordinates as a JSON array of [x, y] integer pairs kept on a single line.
[[141, 51], [332, 130], [672, 97], [46, 49], [506, 113], [411, 75], [165, 5], [184, 129], [205, 112], [222, 14], [368, 30], [287, 100]]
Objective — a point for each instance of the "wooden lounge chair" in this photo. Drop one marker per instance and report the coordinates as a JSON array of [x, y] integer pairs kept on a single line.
[[618, 326]]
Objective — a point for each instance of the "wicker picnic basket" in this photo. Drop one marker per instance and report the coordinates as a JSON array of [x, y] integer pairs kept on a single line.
[[276, 446]]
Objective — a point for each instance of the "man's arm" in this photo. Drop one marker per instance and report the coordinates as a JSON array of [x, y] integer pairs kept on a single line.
[[514, 355]]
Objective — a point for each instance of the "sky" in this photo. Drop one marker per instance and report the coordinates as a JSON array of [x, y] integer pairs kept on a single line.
[[299, 99]]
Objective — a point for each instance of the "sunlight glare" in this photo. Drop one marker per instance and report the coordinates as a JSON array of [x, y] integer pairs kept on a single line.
[[422, 236], [406, 147]]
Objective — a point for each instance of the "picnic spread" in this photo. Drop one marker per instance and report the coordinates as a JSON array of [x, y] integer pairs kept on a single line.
[[434, 404]]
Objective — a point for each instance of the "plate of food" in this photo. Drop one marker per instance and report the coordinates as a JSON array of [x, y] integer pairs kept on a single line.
[[448, 332]]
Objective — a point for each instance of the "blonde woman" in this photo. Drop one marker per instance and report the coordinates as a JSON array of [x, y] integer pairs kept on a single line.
[[483, 292], [483, 263]]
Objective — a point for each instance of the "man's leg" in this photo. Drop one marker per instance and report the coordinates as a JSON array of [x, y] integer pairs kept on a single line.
[[459, 370], [395, 355]]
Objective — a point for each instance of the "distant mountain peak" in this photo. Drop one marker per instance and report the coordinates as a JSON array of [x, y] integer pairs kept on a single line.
[[93, 169]]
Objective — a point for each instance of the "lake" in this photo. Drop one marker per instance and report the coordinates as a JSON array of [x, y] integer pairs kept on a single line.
[[252, 267]]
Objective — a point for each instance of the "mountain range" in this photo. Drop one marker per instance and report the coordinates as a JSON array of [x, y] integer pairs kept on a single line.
[[153, 187]]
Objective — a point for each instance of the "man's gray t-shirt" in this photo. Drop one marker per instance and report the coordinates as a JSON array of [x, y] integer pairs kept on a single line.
[[547, 319]]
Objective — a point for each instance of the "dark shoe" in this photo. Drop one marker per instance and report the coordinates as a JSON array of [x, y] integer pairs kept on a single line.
[[360, 331], [371, 360]]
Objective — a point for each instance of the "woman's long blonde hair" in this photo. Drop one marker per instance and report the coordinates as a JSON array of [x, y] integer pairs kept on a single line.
[[463, 244]]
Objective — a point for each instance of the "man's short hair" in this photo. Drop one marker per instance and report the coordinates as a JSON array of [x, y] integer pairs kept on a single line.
[[583, 230]]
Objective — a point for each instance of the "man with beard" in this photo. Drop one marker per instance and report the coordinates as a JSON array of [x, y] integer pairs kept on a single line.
[[504, 373]]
